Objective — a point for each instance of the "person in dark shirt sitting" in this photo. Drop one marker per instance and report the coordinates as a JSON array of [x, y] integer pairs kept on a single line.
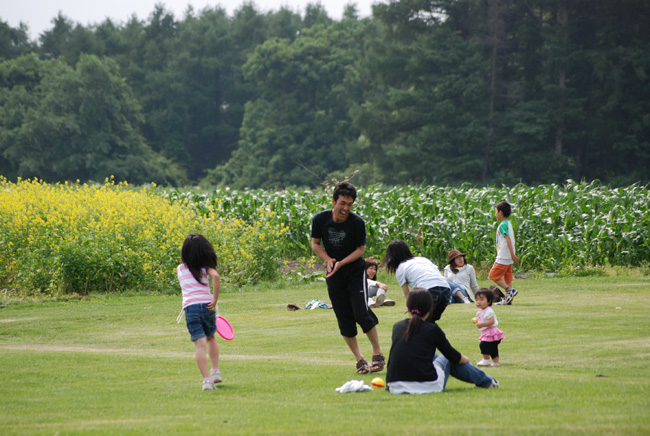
[[413, 365]]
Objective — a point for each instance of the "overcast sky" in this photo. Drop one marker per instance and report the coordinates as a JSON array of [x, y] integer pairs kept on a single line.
[[38, 14]]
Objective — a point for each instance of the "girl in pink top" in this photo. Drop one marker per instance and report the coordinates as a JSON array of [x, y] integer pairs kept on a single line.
[[486, 321], [199, 261]]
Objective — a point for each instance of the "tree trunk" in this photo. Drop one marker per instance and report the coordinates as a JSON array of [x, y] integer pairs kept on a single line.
[[564, 17], [493, 25]]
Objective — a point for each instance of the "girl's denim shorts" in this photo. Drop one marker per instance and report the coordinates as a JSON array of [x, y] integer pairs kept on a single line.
[[200, 321]]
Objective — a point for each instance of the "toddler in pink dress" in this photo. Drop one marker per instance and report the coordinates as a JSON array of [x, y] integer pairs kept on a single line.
[[486, 322]]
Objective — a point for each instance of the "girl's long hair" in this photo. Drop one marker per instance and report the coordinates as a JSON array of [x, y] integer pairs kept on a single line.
[[396, 253], [419, 302], [198, 253]]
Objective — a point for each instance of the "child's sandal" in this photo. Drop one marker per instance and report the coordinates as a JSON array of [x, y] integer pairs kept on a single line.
[[378, 363], [363, 367]]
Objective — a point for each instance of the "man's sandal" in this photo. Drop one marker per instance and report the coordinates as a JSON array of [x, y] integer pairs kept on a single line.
[[363, 367], [378, 363]]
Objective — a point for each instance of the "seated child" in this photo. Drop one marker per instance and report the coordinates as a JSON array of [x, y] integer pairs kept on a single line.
[[376, 290]]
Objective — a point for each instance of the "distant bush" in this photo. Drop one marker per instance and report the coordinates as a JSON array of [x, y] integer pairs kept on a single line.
[[74, 238]]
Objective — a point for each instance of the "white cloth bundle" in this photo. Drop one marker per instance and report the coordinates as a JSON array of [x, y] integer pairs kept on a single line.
[[353, 386]]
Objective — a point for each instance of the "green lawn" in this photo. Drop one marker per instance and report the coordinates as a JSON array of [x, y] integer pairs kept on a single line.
[[575, 361]]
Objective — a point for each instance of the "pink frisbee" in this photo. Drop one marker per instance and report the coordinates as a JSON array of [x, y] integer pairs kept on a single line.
[[224, 328]]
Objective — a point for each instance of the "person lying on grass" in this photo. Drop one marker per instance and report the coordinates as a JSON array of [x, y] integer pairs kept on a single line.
[[413, 365]]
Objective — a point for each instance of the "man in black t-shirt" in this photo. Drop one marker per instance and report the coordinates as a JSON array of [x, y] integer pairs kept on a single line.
[[343, 235]]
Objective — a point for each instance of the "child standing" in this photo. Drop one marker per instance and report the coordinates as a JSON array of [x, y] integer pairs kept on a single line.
[[199, 261], [501, 272], [486, 321]]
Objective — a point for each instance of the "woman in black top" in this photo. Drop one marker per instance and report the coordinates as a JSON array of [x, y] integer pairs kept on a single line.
[[413, 365]]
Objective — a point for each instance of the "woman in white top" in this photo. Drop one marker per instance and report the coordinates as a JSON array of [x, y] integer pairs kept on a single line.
[[461, 274], [417, 272]]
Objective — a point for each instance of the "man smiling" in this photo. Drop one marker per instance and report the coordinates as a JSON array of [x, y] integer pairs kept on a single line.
[[343, 234]]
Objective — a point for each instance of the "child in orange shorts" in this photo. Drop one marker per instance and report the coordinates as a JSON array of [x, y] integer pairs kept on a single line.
[[501, 272]]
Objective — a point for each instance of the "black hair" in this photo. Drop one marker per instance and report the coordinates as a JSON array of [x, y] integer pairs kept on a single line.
[[369, 263], [344, 189], [505, 208], [396, 253], [419, 302], [489, 295], [198, 253]]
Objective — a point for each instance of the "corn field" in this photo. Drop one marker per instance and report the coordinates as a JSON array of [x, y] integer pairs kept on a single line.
[[557, 227]]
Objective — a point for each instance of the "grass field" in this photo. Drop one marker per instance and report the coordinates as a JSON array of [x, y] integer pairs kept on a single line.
[[575, 361]]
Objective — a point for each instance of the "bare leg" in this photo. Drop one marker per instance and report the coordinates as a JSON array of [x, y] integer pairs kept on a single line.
[[354, 347], [501, 284], [373, 337], [201, 359], [213, 350]]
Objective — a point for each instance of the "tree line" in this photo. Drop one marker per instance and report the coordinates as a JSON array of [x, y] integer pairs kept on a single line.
[[424, 91]]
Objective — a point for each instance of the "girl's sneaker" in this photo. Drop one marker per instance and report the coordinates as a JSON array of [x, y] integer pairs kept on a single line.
[[208, 385], [495, 364], [484, 362], [215, 375]]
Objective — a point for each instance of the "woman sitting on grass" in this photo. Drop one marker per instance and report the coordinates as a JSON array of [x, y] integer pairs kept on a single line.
[[461, 277], [376, 289], [413, 365]]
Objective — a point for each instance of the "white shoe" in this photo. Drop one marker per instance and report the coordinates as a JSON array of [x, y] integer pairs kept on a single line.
[[208, 385], [484, 362], [388, 302], [215, 375], [466, 300], [512, 293], [372, 304], [495, 364], [379, 299], [494, 385]]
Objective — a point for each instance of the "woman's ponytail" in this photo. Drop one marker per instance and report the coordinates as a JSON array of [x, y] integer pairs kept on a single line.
[[419, 303]]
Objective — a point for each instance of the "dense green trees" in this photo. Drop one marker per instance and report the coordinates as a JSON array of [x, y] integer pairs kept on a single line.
[[296, 131], [442, 92], [424, 115], [13, 42], [62, 123]]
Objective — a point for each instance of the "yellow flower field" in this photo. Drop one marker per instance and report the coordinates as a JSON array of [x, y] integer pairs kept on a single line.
[[75, 238]]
